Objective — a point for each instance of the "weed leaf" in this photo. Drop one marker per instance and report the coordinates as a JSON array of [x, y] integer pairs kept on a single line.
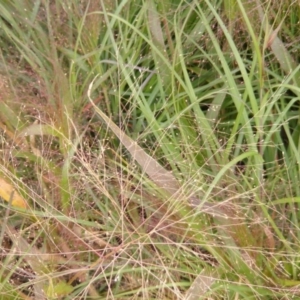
[[9, 194]]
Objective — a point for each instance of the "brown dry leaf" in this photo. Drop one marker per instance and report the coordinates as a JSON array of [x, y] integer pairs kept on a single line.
[[272, 35], [201, 285], [7, 191]]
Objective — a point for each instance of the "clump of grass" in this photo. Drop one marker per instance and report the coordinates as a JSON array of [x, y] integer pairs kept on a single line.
[[157, 152]]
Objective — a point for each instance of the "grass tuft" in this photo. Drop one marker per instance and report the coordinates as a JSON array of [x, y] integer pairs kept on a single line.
[[149, 150]]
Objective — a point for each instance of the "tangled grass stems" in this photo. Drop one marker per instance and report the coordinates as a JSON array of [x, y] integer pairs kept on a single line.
[[155, 146]]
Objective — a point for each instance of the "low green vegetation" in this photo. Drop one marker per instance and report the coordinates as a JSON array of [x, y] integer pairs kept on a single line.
[[149, 149]]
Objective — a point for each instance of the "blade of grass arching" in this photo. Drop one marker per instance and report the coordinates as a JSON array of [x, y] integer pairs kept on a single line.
[[232, 87], [223, 157], [272, 135], [203, 124], [293, 149], [226, 168], [292, 157], [293, 218], [258, 110]]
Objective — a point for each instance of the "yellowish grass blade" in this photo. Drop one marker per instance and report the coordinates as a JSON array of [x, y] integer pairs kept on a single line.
[[7, 191]]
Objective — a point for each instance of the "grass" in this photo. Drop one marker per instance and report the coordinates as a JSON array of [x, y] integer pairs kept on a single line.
[[149, 150]]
